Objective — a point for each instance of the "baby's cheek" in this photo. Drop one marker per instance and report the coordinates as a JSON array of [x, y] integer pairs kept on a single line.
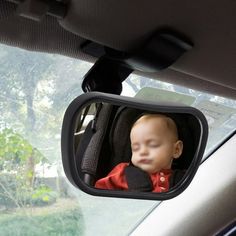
[[133, 159]]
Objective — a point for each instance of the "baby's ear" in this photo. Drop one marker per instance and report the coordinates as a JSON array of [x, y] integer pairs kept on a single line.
[[178, 149]]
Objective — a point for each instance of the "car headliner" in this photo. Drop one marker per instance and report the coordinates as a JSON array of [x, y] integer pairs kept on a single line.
[[126, 25]]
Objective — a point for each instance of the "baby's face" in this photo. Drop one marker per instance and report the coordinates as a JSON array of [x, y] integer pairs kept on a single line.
[[154, 145]]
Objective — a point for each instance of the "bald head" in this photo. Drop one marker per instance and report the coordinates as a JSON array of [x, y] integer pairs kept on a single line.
[[166, 122]]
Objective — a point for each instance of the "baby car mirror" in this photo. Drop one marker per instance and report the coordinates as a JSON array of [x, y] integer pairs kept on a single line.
[[124, 147]]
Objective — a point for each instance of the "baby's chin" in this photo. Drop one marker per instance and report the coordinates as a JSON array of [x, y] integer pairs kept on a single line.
[[148, 169]]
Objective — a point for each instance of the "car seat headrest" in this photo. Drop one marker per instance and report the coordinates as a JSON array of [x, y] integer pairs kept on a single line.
[[187, 126], [119, 134]]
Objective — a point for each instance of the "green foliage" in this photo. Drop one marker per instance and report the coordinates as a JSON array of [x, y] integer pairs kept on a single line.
[[15, 151], [18, 157], [65, 223], [43, 195], [15, 193], [7, 191]]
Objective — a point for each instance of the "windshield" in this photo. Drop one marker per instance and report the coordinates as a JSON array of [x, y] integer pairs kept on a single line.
[[35, 196]]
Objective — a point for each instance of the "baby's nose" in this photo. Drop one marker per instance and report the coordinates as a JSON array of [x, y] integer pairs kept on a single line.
[[143, 150]]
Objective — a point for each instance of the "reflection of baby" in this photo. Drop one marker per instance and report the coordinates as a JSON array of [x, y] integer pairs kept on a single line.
[[154, 144]]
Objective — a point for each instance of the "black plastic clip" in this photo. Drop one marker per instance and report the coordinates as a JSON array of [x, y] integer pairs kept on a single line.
[[114, 66], [105, 76]]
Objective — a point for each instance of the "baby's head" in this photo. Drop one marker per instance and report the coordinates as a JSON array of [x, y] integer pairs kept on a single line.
[[154, 143]]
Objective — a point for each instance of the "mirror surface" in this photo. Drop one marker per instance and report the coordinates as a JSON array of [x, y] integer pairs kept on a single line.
[[123, 148]]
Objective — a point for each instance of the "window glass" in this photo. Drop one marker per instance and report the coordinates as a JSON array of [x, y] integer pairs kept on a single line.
[[35, 196]]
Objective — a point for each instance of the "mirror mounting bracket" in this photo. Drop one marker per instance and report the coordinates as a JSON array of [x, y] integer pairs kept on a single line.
[[105, 76], [113, 66]]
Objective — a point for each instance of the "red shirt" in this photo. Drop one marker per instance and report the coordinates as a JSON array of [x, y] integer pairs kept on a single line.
[[116, 180]]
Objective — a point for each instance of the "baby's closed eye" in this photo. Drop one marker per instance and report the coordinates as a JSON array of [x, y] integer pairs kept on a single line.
[[135, 147], [153, 144]]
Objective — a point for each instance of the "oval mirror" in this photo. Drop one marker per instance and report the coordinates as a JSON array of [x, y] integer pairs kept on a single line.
[[125, 147]]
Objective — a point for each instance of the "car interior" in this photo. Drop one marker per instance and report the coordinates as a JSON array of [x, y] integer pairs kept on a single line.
[[187, 44]]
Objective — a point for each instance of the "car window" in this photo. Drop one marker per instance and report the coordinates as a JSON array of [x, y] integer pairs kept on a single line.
[[35, 196]]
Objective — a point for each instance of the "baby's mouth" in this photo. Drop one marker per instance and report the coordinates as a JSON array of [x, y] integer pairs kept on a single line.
[[145, 161]]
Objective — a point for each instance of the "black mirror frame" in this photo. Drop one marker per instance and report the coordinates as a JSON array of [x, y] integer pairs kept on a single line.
[[67, 142]]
